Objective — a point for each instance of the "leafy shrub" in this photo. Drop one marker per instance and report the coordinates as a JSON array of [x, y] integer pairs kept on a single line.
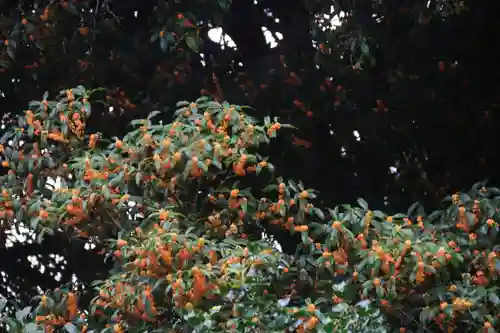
[[180, 208]]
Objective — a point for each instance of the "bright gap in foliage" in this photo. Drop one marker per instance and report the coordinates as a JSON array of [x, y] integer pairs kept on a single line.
[[217, 35]]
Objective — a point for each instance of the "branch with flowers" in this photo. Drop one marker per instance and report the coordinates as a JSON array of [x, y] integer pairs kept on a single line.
[[172, 205]]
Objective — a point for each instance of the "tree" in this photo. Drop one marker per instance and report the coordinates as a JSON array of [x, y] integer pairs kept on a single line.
[[413, 60], [180, 210], [154, 58]]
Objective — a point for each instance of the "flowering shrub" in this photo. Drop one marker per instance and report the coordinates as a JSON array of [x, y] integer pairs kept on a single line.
[[175, 205]]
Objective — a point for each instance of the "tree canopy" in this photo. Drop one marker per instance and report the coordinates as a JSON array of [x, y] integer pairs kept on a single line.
[[180, 209], [396, 103]]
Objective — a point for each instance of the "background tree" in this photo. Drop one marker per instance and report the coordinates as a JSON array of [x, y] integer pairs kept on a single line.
[[413, 79]]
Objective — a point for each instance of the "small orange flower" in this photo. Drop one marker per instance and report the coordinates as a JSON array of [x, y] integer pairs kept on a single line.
[[312, 322], [304, 195], [337, 225], [163, 215], [301, 228], [177, 156], [83, 31], [43, 214]]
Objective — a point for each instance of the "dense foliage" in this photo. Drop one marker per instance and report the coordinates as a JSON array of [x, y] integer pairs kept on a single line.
[[417, 81], [390, 71], [181, 207]]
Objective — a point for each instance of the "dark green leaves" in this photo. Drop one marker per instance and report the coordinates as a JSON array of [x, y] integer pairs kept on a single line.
[[163, 44], [362, 203], [70, 328], [193, 42], [3, 303], [11, 50], [224, 4]]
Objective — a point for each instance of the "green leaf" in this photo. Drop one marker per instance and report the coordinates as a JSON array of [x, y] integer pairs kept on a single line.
[[365, 48], [362, 203], [481, 291], [3, 302], [21, 315], [412, 208], [340, 307], [494, 299], [12, 324], [106, 192], [193, 43], [293, 186], [305, 237], [158, 284], [163, 44], [32, 328], [39, 237], [70, 328], [117, 180], [319, 213], [11, 52], [152, 114], [34, 222], [181, 104], [425, 315], [258, 170], [224, 4], [269, 188]]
